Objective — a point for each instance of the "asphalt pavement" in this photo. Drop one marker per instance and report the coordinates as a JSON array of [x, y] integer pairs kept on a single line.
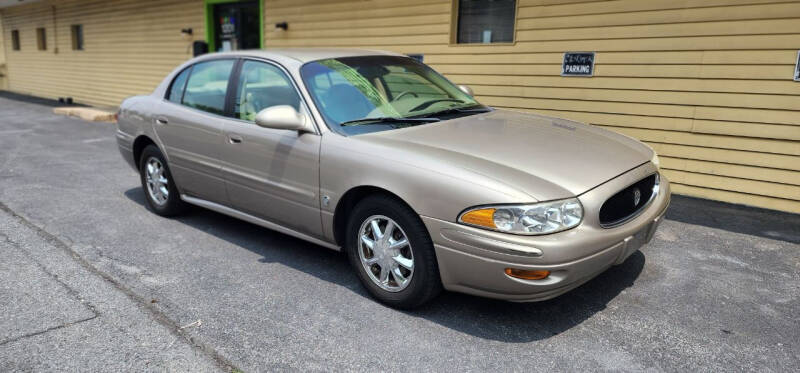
[[90, 280]]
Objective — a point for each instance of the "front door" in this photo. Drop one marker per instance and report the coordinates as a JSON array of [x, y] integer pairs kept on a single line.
[[236, 26], [270, 173]]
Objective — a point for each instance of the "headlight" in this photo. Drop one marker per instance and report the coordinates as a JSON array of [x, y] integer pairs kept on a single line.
[[532, 219]]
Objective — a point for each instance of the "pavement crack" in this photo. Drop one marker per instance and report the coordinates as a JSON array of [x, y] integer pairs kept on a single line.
[[74, 293], [50, 329], [145, 304]]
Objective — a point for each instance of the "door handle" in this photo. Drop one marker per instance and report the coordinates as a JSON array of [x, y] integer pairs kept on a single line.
[[161, 120], [234, 139]]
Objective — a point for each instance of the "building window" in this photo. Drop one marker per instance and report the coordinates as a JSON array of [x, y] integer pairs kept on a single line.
[[486, 21], [77, 37], [15, 40], [41, 38]]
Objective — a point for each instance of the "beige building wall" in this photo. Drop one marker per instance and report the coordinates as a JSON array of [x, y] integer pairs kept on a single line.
[[129, 45], [707, 83]]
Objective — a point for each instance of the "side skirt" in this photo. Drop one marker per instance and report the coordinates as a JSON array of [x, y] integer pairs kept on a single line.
[[257, 221]]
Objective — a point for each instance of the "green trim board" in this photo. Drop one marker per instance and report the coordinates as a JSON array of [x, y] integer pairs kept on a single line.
[[208, 10]]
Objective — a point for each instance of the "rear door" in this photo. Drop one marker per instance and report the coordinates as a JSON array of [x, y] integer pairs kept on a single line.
[[272, 174], [190, 128]]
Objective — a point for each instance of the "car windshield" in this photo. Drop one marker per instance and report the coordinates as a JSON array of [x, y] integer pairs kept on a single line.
[[372, 93]]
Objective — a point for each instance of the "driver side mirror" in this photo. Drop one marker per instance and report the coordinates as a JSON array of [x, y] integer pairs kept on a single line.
[[282, 117]]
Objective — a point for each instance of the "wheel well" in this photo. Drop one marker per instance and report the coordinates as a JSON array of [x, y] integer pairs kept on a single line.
[[138, 146], [346, 204]]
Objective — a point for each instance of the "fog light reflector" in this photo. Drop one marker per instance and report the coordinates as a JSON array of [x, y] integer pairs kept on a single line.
[[527, 274]]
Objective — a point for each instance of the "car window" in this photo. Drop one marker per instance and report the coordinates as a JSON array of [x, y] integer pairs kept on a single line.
[[178, 86], [357, 89], [262, 85], [207, 86]]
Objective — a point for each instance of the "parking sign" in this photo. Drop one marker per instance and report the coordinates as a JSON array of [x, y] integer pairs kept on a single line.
[[578, 64]]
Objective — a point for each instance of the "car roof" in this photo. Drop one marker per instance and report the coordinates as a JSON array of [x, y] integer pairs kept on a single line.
[[304, 55]]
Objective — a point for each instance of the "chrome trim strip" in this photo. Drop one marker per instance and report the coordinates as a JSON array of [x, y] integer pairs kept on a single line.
[[257, 221], [656, 188]]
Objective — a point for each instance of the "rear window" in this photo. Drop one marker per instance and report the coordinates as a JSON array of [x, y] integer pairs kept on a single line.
[[207, 86], [178, 86]]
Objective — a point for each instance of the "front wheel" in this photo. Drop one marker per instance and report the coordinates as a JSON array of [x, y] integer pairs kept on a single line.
[[160, 192], [390, 249]]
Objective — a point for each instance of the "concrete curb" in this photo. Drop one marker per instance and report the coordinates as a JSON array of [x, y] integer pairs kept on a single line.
[[86, 113]]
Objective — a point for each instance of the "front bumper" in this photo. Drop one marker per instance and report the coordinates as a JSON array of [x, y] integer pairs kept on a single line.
[[473, 260]]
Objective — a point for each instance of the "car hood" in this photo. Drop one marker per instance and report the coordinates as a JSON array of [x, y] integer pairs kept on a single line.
[[544, 157]]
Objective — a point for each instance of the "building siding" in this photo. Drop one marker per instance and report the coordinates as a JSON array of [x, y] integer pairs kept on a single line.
[[129, 45], [707, 83]]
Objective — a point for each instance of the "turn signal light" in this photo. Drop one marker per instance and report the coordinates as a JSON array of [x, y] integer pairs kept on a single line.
[[482, 217], [527, 274]]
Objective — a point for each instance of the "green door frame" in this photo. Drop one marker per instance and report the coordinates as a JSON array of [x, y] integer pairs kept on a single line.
[[208, 8]]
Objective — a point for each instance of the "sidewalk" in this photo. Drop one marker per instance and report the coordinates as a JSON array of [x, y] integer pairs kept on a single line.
[[59, 315]]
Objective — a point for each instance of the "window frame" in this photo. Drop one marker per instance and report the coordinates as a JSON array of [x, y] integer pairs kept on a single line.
[[165, 96], [233, 86], [236, 87], [172, 84], [77, 37], [16, 44], [454, 28], [226, 99], [41, 39], [304, 107]]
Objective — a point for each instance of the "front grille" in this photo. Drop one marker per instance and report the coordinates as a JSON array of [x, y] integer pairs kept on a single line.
[[625, 205]]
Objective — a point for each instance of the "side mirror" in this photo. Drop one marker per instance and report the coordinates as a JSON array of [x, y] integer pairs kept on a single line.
[[282, 117], [466, 89]]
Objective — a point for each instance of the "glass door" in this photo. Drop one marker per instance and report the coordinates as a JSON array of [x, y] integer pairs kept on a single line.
[[236, 26]]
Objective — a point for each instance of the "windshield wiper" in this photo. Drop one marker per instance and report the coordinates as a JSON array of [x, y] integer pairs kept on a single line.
[[457, 110], [384, 120]]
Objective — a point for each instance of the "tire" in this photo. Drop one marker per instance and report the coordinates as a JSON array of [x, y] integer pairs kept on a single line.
[[422, 279], [164, 204]]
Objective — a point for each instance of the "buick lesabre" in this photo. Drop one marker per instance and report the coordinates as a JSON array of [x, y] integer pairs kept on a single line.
[[376, 154]]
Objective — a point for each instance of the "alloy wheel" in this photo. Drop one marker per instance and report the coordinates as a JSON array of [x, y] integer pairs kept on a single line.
[[157, 182], [385, 253]]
